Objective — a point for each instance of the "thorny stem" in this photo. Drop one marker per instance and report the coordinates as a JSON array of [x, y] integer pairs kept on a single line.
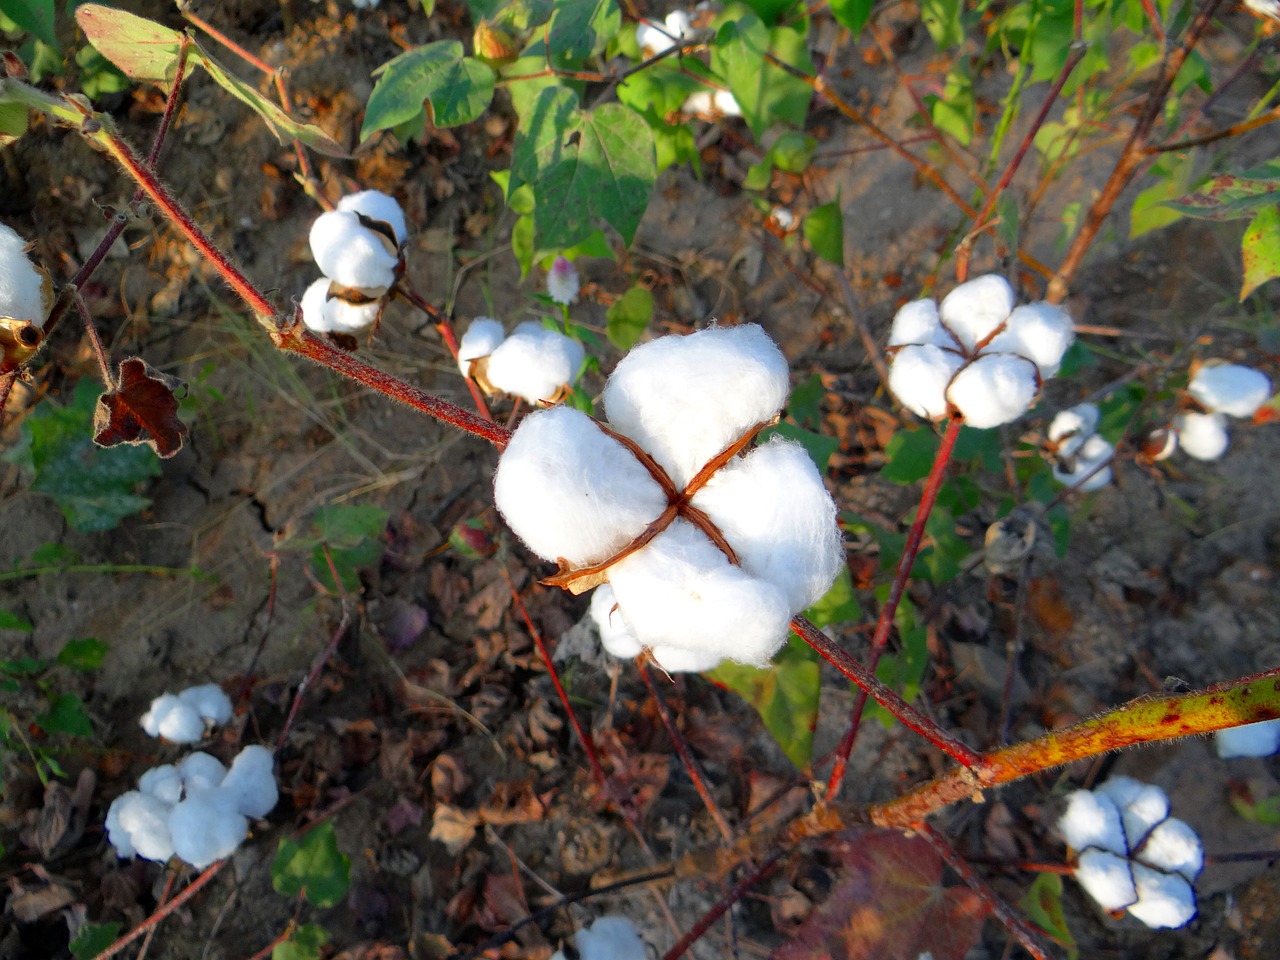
[[196, 886], [884, 622], [728, 900]]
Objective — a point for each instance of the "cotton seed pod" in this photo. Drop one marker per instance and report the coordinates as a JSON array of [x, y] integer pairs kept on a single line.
[[1092, 819], [325, 313], [994, 389], [1230, 388], [974, 310]]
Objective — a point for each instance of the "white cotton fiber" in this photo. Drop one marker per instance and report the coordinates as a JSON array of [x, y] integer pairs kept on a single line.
[[1202, 435], [1230, 388], [700, 102], [615, 636], [685, 399], [350, 254], [481, 339], [653, 40], [681, 660], [570, 491], [376, 205], [23, 294], [973, 310], [1174, 847], [163, 782], [1084, 462], [917, 323], [680, 591], [209, 701], [1165, 900], [117, 835], [1041, 332], [251, 782], [206, 827], [1092, 820], [325, 314], [994, 389], [1107, 878], [143, 826], [725, 104], [611, 938], [919, 376], [200, 771], [1251, 740], [1072, 427], [1141, 805], [778, 517], [173, 719], [534, 363]]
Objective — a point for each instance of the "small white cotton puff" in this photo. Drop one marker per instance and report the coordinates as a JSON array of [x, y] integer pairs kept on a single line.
[[609, 938], [23, 295], [208, 700], [720, 103], [1165, 900], [325, 314], [163, 782], [1072, 427], [655, 40], [1175, 847], [1087, 462], [615, 636], [562, 281], [1141, 805], [1202, 435], [534, 363], [350, 254], [685, 399], [994, 389], [206, 827], [138, 825], [200, 771], [1251, 740], [1041, 332], [919, 378], [1230, 388], [251, 782], [377, 206], [1106, 877], [482, 338], [973, 310], [172, 719]]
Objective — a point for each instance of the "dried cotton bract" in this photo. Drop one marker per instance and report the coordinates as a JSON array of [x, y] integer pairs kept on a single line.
[[976, 353], [581, 497]]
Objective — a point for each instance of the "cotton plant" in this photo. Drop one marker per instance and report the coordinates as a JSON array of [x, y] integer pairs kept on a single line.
[[1221, 390], [711, 103], [1250, 740], [1080, 457], [608, 938], [1130, 855], [653, 39], [186, 717], [534, 363], [976, 353], [359, 247], [708, 553], [197, 809]]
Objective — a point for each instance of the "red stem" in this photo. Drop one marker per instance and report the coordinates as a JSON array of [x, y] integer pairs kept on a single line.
[[197, 885], [728, 900], [445, 328], [887, 613]]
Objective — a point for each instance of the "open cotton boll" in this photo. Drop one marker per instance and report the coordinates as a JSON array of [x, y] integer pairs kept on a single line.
[[919, 376], [699, 102], [974, 309], [141, 826], [1202, 435], [615, 636], [994, 389], [1141, 805], [23, 291], [1251, 740], [206, 827], [1230, 388], [325, 314], [1165, 900], [163, 782], [534, 363], [778, 517], [251, 781], [209, 701], [685, 399], [917, 322], [610, 938], [569, 490], [377, 205], [1092, 820], [1072, 427], [682, 660], [350, 254], [200, 771], [482, 338], [1106, 877], [1041, 332], [1175, 847], [725, 104], [680, 591], [173, 719], [1086, 460]]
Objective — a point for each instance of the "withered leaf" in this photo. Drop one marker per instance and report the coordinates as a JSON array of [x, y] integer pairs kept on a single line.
[[141, 408], [454, 827]]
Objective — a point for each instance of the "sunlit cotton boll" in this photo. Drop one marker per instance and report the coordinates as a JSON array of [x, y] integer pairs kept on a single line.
[[615, 635], [1175, 847], [534, 363], [994, 389], [1087, 462], [172, 719], [138, 825], [482, 338], [1165, 900], [973, 310], [1251, 740], [23, 293], [251, 782], [1264, 8], [917, 322], [325, 314], [1202, 435], [206, 827], [1041, 332], [1072, 427], [654, 40], [1230, 388], [562, 281], [350, 254], [919, 377], [1107, 878], [377, 206]]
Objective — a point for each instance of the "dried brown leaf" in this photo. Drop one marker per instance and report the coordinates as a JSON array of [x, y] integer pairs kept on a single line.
[[142, 407], [454, 827]]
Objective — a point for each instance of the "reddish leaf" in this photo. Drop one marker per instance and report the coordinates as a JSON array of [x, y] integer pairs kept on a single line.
[[888, 904], [142, 408]]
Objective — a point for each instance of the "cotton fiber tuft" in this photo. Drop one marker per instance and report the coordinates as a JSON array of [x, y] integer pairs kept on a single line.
[[25, 293], [609, 938], [994, 389], [1251, 740], [1202, 435], [1230, 388]]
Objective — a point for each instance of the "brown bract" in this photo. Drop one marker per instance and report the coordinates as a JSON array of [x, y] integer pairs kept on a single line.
[[142, 407]]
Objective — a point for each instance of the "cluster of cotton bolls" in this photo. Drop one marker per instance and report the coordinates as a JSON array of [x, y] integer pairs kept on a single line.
[[1130, 854], [359, 249], [1222, 390], [1250, 740], [609, 938], [534, 363], [1081, 457], [703, 564], [976, 353], [184, 717], [677, 28]]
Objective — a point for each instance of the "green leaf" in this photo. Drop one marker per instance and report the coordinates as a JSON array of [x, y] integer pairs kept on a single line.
[[587, 168], [785, 694], [11, 621], [673, 143], [944, 19], [304, 944], [792, 152], [93, 939], [770, 10], [93, 486], [910, 454], [83, 654], [13, 122], [66, 715], [284, 127], [98, 77], [581, 28], [353, 535], [457, 88], [525, 93], [1260, 250], [837, 605], [1042, 904], [766, 94], [824, 229], [34, 16], [956, 110], [1232, 196], [852, 14], [804, 406], [664, 85], [626, 320], [141, 48], [313, 866]]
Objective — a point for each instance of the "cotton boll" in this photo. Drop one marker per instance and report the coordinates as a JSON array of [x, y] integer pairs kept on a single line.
[[163, 782], [1202, 435], [1106, 877], [680, 591], [1088, 459], [570, 491], [1230, 388], [685, 399], [1165, 900], [681, 660], [251, 781], [994, 389], [1041, 332], [562, 281], [117, 835], [24, 294], [699, 102], [171, 718], [1072, 427], [725, 104], [1141, 805], [534, 363], [1175, 847], [1251, 740], [919, 376], [349, 254], [615, 637], [209, 701], [611, 938], [377, 205], [778, 517], [917, 322], [325, 314], [144, 823], [200, 771], [1092, 820], [206, 827], [973, 310], [481, 339]]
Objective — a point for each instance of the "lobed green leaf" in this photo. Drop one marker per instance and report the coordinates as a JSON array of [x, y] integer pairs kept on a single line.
[[312, 866], [456, 88]]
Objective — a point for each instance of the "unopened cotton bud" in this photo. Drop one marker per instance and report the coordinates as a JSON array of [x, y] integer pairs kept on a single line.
[[1087, 473], [1251, 740], [917, 322], [562, 281], [1107, 878], [973, 310], [482, 338], [994, 389], [206, 827], [615, 635], [24, 291], [1041, 332], [1072, 427], [1165, 900], [1202, 435], [1230, 388], [350, 254], [379, 207], [919, 376]]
